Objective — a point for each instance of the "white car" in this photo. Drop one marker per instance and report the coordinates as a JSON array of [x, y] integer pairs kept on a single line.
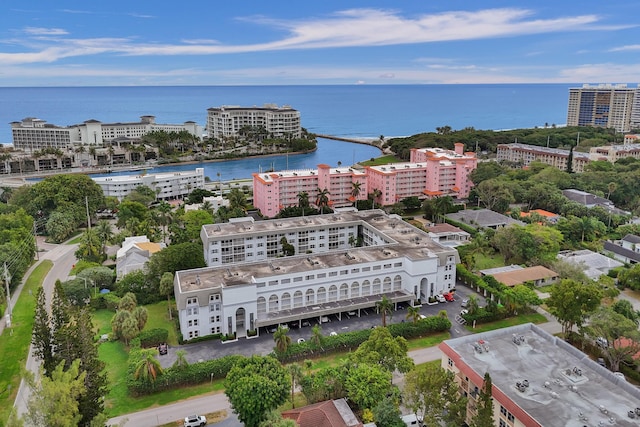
[[440, 298], [300, 340], [195, 421], [333, 334], [465, 303], [464, 312]]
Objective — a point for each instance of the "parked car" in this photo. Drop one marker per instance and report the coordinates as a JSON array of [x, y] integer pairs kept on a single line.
[[333, 334], [163, 349], [440, 298], [602, 342], [449, 296], [325, 319], [195, 421], [464, 312], [300, 340], [465, 303]]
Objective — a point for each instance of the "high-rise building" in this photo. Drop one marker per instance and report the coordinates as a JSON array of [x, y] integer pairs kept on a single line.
[[228, 121], [603, 105]]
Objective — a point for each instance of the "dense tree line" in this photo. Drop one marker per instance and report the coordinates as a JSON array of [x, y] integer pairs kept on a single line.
[[488, 140]]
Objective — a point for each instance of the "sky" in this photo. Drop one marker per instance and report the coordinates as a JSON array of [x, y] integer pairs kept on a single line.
[[297, 42]]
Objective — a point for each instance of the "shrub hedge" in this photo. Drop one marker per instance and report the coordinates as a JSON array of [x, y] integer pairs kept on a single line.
[[153, 337]]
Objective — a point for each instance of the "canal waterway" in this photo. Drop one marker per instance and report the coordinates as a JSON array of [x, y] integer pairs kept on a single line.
[[329, 152]]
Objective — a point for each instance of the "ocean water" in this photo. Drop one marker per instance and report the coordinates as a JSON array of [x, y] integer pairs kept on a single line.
[[347, 110], [359, 111]]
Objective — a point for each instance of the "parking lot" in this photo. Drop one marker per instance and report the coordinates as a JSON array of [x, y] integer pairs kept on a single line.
[[347, 321]]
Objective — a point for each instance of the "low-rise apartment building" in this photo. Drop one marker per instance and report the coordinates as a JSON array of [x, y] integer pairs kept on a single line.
[[431, 172], [167, 186], [342, 262]]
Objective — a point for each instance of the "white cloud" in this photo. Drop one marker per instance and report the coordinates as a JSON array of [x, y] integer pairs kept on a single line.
[[626, 48], [36, 31], [348, 28]]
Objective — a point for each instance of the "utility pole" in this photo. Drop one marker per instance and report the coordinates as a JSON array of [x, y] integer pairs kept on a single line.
[[7, 279], [86, 203], [35, 240]]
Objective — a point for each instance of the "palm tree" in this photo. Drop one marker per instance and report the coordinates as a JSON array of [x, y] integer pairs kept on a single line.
[[316, 336], [181, 360], [303, 200], [413, 314], [147, 368], [355, 191], [237, 199], [166, 288], [374, 195], [164, 208], [442, 205], [322, 199], [385, 308], [296, 375], [104, 233], [283, 341], [611, 187]]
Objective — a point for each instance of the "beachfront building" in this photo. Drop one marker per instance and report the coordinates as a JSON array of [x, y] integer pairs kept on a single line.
[[431, 172], [279, 122], [33, 134], [167, 186], [603, 105], [340, 262], [538, 380]]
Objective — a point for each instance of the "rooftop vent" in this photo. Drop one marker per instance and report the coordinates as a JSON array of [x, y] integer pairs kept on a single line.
[[518, 339]]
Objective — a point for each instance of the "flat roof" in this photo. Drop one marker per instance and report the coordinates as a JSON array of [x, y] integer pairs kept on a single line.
[[404, 239], [566, 388]]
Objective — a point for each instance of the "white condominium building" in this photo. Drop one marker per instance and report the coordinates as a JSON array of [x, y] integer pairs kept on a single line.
[[169, 185], [603, 105], [227, 121], [34, 134], [524, 154], [341, 262]]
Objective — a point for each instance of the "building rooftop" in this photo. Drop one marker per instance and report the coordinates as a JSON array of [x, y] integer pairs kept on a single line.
[[548, 150], [565, 387], [401, 240], [522, 275], [593, 264], [482, 218]]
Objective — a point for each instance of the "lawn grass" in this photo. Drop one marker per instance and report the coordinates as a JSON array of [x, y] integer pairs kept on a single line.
[[74, 240], [429, 341], [382, 160], [159, 318], [488, 261], [15, 341], [535, 318]]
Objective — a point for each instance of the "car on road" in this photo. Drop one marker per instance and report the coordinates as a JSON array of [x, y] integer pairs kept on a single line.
[[195, 421], [300, 340], [464, 312], [440, 298], [333, 334], [465, 303], [449, 297]]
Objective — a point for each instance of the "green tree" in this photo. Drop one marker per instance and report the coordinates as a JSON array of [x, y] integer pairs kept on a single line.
[[282, 339], [484, 414], [322, 199], [104, 232], [42, 339], [181, 360], [255, 386], [237, 199], [355, 192], [90, 248], [54, 401], [128, 210], [432, 394], [623, 307], [274, 419], [193, 222], [385, 308], [295, 371], [572, 302], [60, 225], [166, 288], [303, 200], [317, 339], [495, 195], [413, 314], [621, 334], [182, 256], [147, 367], [367, 385], [141, 194], [140, 315], [385, 350], [387, 414], [519, 298]]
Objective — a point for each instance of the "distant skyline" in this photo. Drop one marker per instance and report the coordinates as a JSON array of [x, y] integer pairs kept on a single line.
[[118, 43]]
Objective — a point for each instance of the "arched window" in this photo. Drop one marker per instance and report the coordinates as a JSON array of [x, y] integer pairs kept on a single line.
[[297, 299], [262, 305], [344, 291], [285, 304], [386, 285], [376, 287], [333, 293], [366, 288], [355, 290], [397, 283], [273, 303], [322, 295], [309, 300]]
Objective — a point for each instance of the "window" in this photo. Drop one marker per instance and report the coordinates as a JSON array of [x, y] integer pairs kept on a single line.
[[377, 267], [192, 300], [192, 311], [193, 322], [193, 334], [502, 423], [387, 266], [297, 279], [311, 277], [397, 264], [450, 363], [322, 275], [214, 297], [215, 330], [333, 273], [355, 270], [343, 272], [285, 281]]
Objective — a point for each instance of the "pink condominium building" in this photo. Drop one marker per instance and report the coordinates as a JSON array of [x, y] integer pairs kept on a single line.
[[432, 172]]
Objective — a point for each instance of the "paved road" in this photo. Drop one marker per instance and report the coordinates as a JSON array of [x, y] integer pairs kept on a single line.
[[63, 259]]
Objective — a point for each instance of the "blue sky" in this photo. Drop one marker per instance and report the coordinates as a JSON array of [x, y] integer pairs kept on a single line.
[[257, 42]]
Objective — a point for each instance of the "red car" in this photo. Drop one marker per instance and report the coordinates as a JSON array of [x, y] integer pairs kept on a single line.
[[449, 296]]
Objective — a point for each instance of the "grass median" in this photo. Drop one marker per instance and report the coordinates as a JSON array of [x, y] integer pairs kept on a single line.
[[15, 341]]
